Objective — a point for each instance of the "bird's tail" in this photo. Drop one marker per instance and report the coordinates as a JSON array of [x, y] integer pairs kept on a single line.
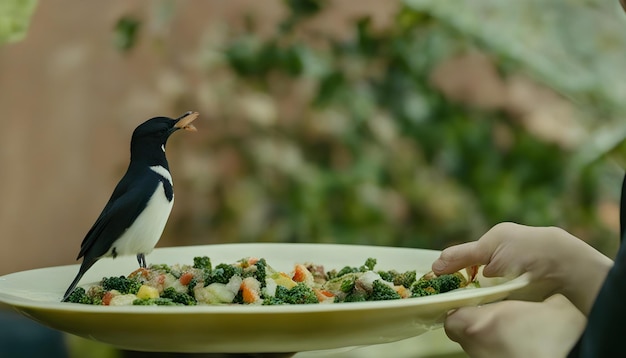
[[86, 265]]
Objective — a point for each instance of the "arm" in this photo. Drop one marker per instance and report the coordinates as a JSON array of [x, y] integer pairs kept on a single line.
[[557, 261]]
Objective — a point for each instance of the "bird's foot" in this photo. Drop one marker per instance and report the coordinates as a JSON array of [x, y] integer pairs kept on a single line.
[[141, 258]]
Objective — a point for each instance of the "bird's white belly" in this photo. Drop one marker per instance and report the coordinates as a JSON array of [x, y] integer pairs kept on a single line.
[[146, 230]]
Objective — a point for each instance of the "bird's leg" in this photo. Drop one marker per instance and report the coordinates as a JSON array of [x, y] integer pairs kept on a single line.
[[141, 258]]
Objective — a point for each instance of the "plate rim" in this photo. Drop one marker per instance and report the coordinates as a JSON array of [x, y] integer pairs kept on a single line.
[[510, 285]]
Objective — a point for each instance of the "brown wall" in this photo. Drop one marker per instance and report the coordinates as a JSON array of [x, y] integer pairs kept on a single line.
[[69, 102]]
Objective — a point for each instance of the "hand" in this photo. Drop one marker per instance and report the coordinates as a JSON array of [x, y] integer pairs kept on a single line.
[[557, 261], [517, 329]]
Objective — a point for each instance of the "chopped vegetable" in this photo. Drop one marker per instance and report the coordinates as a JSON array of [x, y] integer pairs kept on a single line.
[[122, 284], [146, 291], [252, 281], [79, 296]]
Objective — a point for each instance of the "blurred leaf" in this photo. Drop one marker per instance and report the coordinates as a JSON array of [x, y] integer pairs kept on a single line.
[[126, 32], [15, 16], [577, 46], [366, 149], [304, 8]]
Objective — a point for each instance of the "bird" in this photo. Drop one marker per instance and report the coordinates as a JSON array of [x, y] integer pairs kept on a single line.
[[133, 219]]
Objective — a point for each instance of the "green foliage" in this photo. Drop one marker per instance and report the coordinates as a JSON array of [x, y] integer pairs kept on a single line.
[[122, 284], [15, 17], [378, 155], [126, 32]]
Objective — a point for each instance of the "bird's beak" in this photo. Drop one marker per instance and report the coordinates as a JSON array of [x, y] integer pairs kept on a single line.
[[184, 121]]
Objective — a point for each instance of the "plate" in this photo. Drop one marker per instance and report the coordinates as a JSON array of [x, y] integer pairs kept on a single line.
[[246, 329]]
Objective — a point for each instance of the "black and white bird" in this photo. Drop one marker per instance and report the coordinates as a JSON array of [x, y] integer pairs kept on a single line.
[[133, 219]]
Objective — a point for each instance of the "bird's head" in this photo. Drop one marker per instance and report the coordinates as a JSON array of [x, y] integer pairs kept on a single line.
[[150, 137]]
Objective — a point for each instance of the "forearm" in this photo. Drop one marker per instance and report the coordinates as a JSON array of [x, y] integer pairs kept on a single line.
[[581, 274]]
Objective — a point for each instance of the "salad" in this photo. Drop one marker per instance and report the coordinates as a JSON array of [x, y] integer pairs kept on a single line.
[[252, 281]]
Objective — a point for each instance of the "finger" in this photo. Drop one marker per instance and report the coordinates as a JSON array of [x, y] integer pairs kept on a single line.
[[457, 324], [457, 257]]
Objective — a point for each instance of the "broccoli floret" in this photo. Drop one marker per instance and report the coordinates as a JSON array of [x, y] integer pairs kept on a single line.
[[222, 274], [421, 291], [202, 262], [424, 287], [344, 271], [260, 272], [160, 267], [382, 291], [448, 282], [368, 265], [348, 285], [298, 294], [122, 284], [192, 284], [178, 297], [159, 301], [356, 296], [96, 293], [272, 301], [440, 284], [238, 299], [388, 275], [405, 279], [79, 296]]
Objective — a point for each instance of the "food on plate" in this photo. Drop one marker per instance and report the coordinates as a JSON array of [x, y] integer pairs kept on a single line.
[[252, 281]]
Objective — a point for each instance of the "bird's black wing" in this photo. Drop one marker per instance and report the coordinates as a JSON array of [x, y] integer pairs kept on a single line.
[[129, 198]]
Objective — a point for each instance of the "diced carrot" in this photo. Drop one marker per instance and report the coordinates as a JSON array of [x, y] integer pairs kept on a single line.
[[323, 295], [250, 290], [402, 291], [106, 299], [185, 278], [302, 274], [161, 279], [142, 272]]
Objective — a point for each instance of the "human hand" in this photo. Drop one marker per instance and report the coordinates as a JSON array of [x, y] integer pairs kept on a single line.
[[517, 329], [556, 261]]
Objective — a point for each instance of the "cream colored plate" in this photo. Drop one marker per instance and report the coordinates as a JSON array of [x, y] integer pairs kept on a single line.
[[36, 293]]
